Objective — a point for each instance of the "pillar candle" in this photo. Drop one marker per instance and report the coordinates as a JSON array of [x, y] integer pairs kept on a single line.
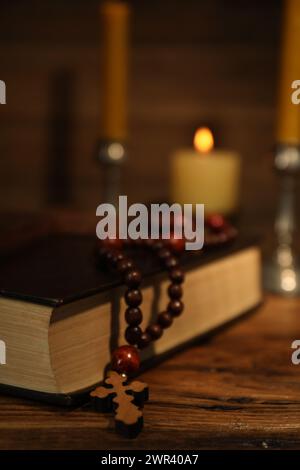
[[114, 15], [206, 176], [288, 124]]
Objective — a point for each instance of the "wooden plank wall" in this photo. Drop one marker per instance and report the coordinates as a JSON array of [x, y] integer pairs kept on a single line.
[[193, 62]]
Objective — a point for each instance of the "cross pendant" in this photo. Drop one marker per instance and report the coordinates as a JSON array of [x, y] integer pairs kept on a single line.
[[126, 399]]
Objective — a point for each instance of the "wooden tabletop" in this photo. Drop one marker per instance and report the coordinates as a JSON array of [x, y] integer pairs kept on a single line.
[[238, 389]]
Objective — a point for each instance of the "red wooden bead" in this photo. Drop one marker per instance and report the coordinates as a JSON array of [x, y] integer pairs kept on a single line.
[[177, 245], [216, 222], [113, 243], [125, 360]]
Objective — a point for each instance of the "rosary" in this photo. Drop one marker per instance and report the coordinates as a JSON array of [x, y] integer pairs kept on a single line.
[[117, 394]]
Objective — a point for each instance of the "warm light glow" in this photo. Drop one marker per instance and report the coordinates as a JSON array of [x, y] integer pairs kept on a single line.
[[203, 140]]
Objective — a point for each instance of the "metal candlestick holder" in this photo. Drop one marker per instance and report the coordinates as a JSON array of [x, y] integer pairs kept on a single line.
[[281, 272], [111, 155]]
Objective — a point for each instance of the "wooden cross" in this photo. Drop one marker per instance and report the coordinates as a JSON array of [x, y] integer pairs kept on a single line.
[[123, 398]]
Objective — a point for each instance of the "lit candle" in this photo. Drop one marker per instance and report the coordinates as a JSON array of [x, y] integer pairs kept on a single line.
[[288, 124], [114, 17], [206, 176]]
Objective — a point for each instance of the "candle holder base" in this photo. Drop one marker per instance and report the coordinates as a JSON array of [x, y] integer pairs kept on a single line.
[[282, 271], [111, 155], [280, 278]]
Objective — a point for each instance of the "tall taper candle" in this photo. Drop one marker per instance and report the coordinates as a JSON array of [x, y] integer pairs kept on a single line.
[[114, 15], [288, 124]]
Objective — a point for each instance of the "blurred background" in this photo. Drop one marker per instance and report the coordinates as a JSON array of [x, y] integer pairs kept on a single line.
[[192, 63]]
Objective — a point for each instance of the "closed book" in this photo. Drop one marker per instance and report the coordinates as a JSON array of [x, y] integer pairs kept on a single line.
[[62, 311]]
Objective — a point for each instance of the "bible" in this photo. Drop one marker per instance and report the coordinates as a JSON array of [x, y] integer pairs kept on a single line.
[[61, 313]]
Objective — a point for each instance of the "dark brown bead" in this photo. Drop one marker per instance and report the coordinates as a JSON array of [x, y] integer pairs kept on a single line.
[[102, 251], [123, 265], [133, 316], [176, 276], [133, 334], [133, 297], [175, 307], [165, 319], [175, 291], [109, 256], [149, 242], [164, 253], [171, 262], [155, 331], [133, 278], [144, 340], [118, 256], [158, 245], [138, 242]]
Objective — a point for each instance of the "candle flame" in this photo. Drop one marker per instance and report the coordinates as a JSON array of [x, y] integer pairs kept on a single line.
[[203, 140]]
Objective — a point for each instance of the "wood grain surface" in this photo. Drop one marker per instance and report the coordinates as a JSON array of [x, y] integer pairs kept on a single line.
[[237, 390]]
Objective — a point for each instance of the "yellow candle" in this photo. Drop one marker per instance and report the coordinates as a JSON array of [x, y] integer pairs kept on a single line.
[[114, 17], [288, 125], [206, 176]]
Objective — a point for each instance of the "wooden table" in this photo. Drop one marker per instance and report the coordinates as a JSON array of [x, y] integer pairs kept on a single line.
[[237, 390]]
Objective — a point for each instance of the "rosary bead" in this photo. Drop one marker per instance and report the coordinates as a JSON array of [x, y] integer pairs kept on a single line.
[[175, 307], [118, 256], [113, 243], [144, 340], [133, 334], [176, 275], [165, 319], [102, 251], [155, 331], [164, 253], [133, 297], [158, 245], [171, 262], [177, 245], [138, 242], [149, 242], [109, 256], [123, 265], [216, 222], [125, 360], [133, 278], [175, 291], [133, 316]]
